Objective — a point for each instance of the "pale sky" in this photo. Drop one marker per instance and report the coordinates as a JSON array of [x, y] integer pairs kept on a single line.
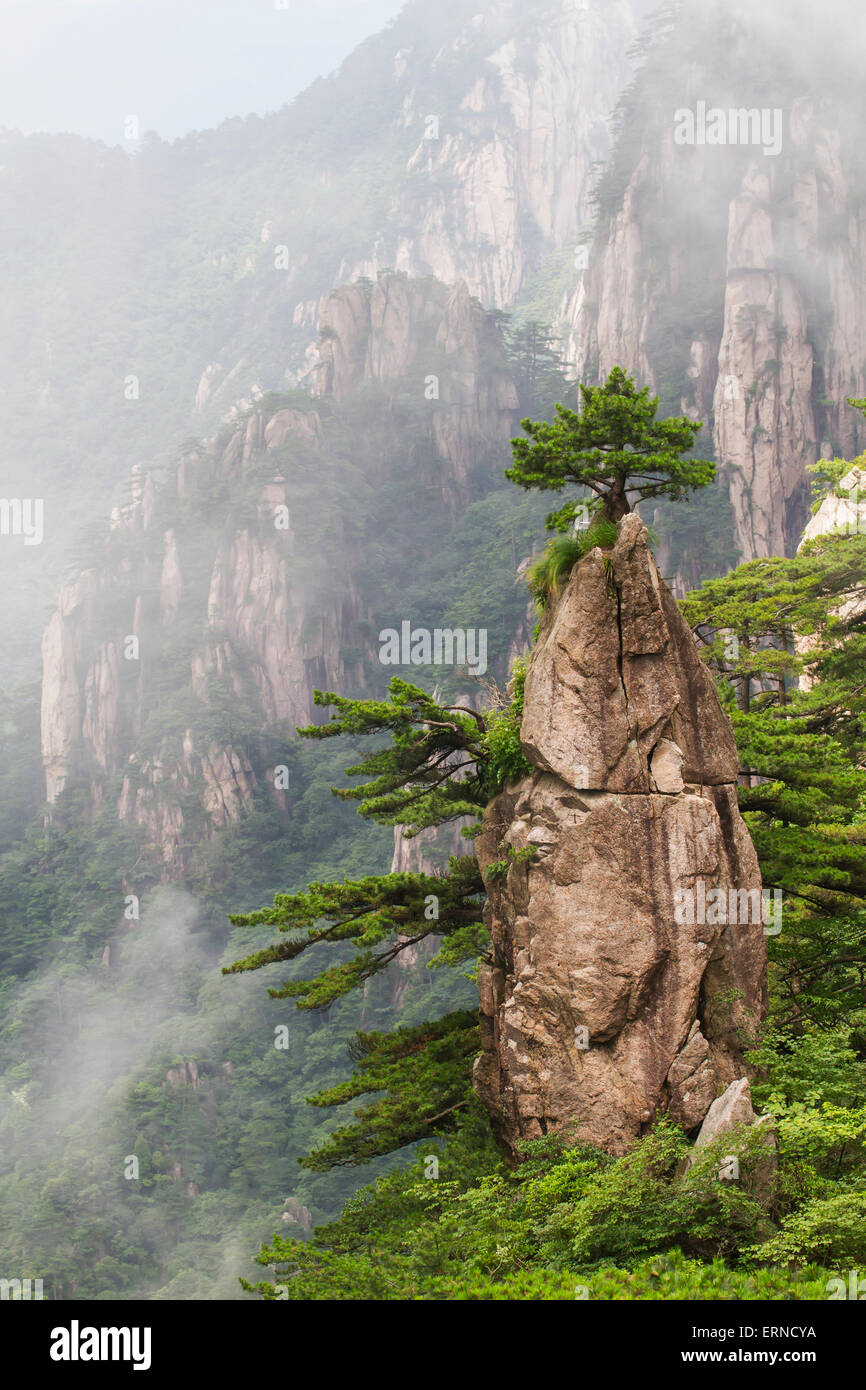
[[178, 65]]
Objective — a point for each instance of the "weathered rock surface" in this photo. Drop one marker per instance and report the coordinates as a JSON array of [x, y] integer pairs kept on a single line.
[[727, 1115], [400, 326], [842, 512], [733, 1107], [775, 271], [279, 610], [600, 1008], [617, 667], [518, 136]]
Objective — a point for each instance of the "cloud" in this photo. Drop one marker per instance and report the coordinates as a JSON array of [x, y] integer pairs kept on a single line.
[[81, 65]]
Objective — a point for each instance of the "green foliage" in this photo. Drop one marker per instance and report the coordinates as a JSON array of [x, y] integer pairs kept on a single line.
[[666, 1277], [240, 1132], [615, 447], [391, 912], [502, 751], [424, 1073], [827, 1230], [635, 1206], [803, 751], [827, 475], [538, 369], [429, 774], [549, 573], [569, 1221], [811, 1066]]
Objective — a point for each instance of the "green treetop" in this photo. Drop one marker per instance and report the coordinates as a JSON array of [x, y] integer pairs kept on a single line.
[[615, 447]]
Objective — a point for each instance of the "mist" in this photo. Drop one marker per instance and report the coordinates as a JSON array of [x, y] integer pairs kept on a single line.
[[281, 284], [105, 1028]]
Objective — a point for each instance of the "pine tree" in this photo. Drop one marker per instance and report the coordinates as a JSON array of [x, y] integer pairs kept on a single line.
[[614, 446], [443, 763], [803, 751], [537, 366]]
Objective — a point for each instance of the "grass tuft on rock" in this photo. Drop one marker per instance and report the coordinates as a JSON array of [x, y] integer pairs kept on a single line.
[[550, 572]]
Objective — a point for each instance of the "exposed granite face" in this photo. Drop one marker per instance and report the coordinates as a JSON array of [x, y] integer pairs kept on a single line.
[[603, 1004], [402, 326], [270, 629], [614, 668], [503, 175], [775, 267]]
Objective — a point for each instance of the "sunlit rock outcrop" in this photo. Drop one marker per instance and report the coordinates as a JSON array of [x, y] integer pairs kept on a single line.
[[628, 966]]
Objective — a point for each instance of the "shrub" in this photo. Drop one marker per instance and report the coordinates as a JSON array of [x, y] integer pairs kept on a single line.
[[826, 1229], [505, 759], [547, 576]]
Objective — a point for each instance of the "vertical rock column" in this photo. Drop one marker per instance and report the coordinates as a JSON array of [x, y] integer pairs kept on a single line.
[[628, 966]]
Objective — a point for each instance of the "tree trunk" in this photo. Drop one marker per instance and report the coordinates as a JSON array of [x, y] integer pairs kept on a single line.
[[615, 501]]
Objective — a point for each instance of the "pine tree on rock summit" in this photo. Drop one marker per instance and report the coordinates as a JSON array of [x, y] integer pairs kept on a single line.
[[615, 447], [444, 763]]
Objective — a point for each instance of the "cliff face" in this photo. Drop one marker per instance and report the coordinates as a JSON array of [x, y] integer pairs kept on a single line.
[[225, 597], [625, 978], [735, 283], [490, 135], [458, 142], [502, 176], [449, 343]]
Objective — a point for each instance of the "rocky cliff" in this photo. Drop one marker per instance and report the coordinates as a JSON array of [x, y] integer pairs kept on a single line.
[[732, 275], [503, 175], [628, 966], [400, 326], [493, 121], [217, 602], [459, 142]]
